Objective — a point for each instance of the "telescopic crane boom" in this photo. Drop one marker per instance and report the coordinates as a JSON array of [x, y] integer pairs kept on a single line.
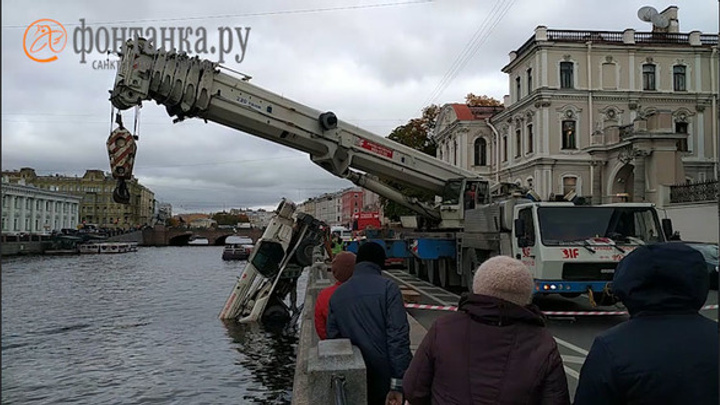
[[191, 87]]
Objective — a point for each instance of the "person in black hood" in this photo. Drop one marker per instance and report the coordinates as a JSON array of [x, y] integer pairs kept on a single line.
[[667, 353], [368, 309]]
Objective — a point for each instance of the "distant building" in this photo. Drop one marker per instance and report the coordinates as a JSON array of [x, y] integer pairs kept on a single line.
[[328, 208], [28, 209], [95, 188], [203, 223], [351, 203]]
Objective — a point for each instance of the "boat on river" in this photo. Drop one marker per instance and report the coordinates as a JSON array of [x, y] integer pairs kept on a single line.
[[107, 247], [237, 251]]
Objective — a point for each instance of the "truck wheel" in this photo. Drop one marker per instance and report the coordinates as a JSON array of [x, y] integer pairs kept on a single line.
[[470, 264], [604, 300], [442, 273], [410, 266], [432, 272]]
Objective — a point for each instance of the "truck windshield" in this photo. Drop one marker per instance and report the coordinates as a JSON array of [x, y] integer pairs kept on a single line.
[[576, 225]]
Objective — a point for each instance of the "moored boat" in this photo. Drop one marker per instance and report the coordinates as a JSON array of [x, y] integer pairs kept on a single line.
[[237, 251], [107, 247]]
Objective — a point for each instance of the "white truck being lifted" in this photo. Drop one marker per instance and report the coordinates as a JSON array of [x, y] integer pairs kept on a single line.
[[500, 219]]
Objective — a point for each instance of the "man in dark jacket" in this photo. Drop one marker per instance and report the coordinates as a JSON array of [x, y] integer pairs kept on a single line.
[[493, 350], [368, 309], [667, 353]]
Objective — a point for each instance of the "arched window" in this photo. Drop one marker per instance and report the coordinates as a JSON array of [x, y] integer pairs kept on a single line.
[[480, 152]]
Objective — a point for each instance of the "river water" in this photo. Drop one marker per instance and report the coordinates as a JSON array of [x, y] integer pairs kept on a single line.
[[135, 328]]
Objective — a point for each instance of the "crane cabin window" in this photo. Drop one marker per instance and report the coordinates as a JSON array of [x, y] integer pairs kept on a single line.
[[452, 192]]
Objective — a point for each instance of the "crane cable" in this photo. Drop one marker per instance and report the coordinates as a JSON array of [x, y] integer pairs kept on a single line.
[[499, 11]]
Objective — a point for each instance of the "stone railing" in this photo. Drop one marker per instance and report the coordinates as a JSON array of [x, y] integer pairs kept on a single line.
[[322, 364], [694, 192]]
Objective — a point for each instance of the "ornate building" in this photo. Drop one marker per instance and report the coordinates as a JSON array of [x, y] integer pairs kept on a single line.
[[95, 190], [612, 115]]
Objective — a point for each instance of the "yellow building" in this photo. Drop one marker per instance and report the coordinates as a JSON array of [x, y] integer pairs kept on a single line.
[[95, 188], [609, 115]]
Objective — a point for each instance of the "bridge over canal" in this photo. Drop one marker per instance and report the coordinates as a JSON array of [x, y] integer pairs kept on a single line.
[[164, 236]]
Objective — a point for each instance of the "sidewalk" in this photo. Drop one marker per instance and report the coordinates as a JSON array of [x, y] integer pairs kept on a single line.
[[417, 333]]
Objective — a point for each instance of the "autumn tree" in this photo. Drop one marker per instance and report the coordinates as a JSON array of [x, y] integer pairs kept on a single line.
[[225, 218], [473, 101], [417, 134]]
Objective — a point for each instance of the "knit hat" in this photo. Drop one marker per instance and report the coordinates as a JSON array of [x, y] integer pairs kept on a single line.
[[505, 278], [343, 265], [371, 252]]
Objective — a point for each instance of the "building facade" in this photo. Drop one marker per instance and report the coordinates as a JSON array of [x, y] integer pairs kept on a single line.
[[608, 115], [352, 203], [95, 188], [31, 210]]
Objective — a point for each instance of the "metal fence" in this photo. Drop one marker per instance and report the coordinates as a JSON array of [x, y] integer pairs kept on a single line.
[[694, 192]]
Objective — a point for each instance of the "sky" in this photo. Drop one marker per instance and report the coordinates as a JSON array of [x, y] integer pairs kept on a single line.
[[375, 63]]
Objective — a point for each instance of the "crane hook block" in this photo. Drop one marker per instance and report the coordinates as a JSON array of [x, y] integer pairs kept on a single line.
[[328, 120], [121, 148], [121, 195]]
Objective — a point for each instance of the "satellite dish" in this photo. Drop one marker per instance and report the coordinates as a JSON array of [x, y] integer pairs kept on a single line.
[[660, 21], [647, 13]]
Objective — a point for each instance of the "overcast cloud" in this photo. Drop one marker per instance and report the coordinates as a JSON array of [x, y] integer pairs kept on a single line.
[[375, 63]]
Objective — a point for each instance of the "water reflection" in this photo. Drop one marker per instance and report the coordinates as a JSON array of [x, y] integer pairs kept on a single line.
[[269, 352]]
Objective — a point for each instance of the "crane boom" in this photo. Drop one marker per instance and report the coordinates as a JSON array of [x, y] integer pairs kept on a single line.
[[191, 87]]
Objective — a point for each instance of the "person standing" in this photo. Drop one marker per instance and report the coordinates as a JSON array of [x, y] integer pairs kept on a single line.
[[368, 309], [493, 350], [667, 353], [342, 269]]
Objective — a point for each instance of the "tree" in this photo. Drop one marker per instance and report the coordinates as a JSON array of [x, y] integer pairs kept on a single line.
[[417, 134], [473, 101], [224, 218]]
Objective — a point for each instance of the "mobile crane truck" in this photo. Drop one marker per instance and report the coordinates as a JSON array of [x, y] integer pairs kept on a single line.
[[570, 249]]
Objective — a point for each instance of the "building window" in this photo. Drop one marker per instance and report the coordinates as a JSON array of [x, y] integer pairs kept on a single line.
[[518, 89], [529, 145], [518, 142], [566, 75], [569, 184], [682, 144], [648, 76], [679, 78], [529, 80], [480, 152], [568, 135], [455, 152], [505, 147]]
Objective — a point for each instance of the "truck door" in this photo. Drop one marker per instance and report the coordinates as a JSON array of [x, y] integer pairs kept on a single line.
[[524, 239]]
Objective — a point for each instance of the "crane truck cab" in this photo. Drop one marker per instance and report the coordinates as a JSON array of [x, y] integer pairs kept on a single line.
[[574, 249]]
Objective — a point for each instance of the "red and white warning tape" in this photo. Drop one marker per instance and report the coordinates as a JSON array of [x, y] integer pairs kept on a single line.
[[560, 313]]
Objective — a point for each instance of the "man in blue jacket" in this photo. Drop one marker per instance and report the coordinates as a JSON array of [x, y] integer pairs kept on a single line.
[[667, 353], [368, 309]]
